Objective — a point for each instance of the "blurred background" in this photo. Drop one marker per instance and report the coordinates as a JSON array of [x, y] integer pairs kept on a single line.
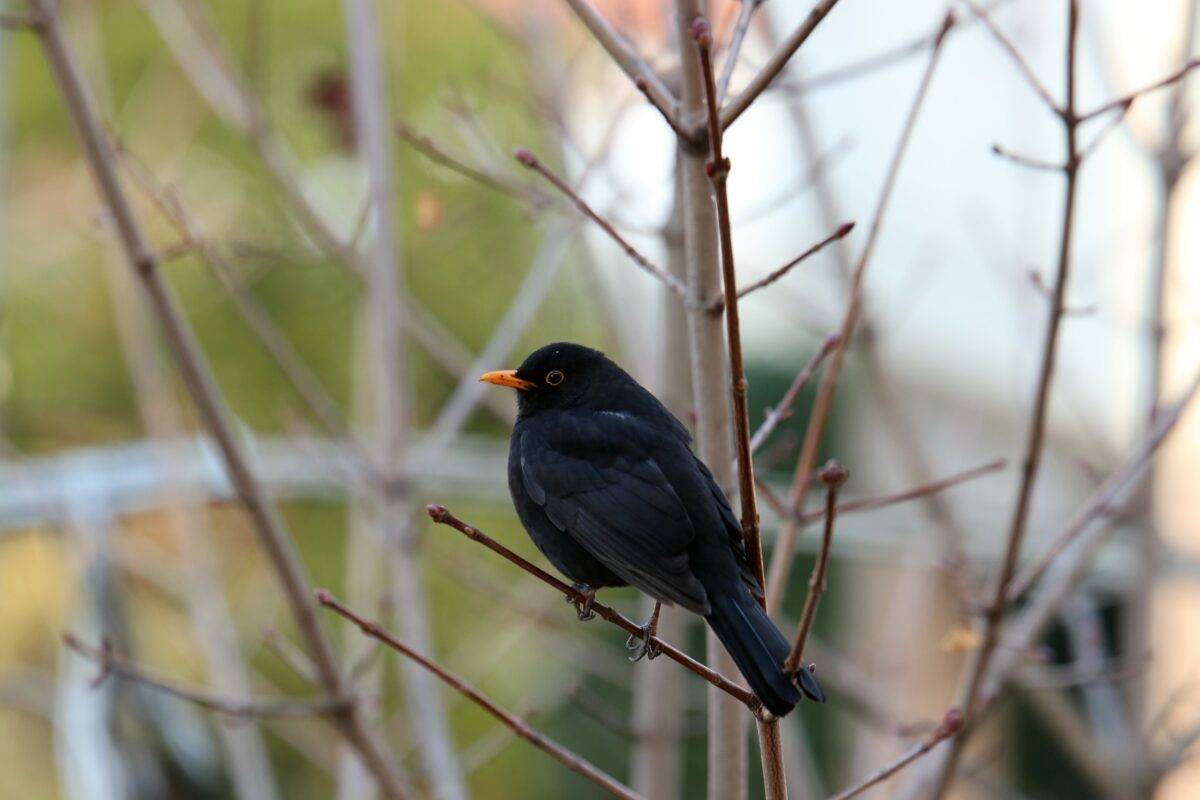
[[237, 134]]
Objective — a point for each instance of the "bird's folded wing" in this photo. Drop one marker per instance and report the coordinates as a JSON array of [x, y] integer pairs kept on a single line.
[[598, 486]]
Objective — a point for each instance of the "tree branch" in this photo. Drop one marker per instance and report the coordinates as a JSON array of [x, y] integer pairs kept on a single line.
[[567, 758], [832, 476], [951, 724]]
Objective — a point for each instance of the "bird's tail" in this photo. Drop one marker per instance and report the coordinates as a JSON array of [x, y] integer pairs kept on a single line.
[[759, 650]]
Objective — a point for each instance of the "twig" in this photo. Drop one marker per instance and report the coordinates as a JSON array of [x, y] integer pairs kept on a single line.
[[269, 526], [528, 159], [1025, 161], [1112, 124], [832, 476], [434, 152], [622, 53], [775, 65], [783, 409], [1128, 99], [873, 503], [1035, 441], [567, 758], [114, 665], [951, 724], [841, 233], [442, 515], [1010, 47], [736, 39], [785, 544]]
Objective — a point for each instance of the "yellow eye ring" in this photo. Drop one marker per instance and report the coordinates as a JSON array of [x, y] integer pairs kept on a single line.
[[554, 377]]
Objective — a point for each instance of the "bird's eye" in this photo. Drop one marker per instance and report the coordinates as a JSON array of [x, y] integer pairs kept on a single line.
[[554, 377]]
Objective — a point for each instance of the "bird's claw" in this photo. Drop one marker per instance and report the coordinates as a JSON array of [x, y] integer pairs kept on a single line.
[[647, 645], [583, 608]]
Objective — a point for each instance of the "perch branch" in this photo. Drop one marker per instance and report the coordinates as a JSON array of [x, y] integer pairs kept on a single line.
[[832, 476]]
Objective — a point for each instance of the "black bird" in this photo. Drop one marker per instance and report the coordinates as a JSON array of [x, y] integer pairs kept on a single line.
[[604, 479]]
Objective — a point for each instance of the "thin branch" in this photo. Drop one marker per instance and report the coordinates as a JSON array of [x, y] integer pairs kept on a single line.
[[272, 533], [113, 665], [841, 233], [1025, 161], [951, 724], [18, 22], [567, 758], [775, 65], [785, 544], [832, 476], [874, 503], [1113, 123], [1128, 99], [528, 159], [1036, 436], [1011, 48], [736, 39], [442, 515], [434, 152], [783, 409], [641, 73]]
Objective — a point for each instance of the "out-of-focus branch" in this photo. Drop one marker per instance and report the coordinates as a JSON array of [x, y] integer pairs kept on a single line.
[[1014, 53], [951, 724], [622, 53], [1127, 100], [782, 560], [443, 516], [1035, 439], [832, 476], [567, 758], [734, 108], [736, 39], [528, 159], [113, 665], [272, 533]]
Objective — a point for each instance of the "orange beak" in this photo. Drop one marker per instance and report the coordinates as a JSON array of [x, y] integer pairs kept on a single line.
[[506, 377]]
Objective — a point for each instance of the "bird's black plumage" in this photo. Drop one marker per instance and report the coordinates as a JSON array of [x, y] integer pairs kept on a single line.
[[604, 479]]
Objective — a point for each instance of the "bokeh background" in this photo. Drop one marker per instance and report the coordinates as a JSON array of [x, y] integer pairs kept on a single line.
[[115, 518]]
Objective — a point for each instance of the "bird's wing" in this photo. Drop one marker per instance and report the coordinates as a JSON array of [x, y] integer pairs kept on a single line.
[[596, 482], [733, 528]]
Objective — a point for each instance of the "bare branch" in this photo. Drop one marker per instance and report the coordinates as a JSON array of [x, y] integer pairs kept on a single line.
[[1025, 161], [785, 544], [951, 724], [112, 664], [528, 159], [1127, 100], [775, 65], [1011, 48], [269, 526], [567, 758], [436, 153], [443, 516], [783, 409], [634, 66], [736, 39], [832, 476]]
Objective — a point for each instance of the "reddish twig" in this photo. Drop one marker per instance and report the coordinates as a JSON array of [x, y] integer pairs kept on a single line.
[[1025, 161], [917, 492], [832, 476], [951, 724], [567, 758], [111, 665], [1128, 99], [775, 65], [528, 159], [1035, 440], [785, 544], [841, 233], [442, 515], [783, 409], [435, 153]]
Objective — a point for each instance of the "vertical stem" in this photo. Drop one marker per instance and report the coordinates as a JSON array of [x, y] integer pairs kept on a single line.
[[214, 414], [969, 699], [726, 739], [427, 714], [657, 758]]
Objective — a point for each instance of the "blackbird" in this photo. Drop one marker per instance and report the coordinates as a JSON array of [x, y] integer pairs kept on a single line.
[[604, 480]]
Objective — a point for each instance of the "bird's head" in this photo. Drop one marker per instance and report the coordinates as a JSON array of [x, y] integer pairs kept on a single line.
[[563, 375]]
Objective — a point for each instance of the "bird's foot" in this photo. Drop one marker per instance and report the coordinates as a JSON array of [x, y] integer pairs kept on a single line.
[[646, 646], [583, 608]]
